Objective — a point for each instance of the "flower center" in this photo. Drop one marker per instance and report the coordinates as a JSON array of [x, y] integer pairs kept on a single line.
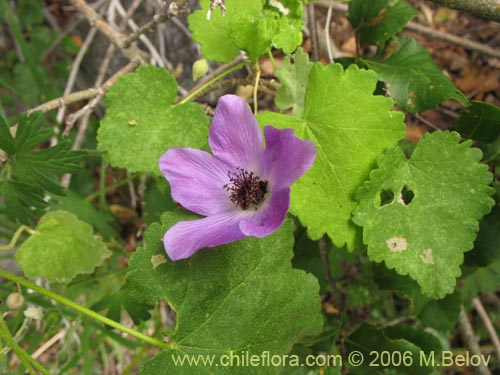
[[246, 188]]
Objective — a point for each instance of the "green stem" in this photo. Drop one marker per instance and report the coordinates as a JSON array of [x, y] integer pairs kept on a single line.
[[83, 310], [102, 186], [271, 57], [213, 80], [108, 188], [255, 90], [15, 237], [24, 357]]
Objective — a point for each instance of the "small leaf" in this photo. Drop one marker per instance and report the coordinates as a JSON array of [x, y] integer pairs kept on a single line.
[[121, 300], [214, 34], [32, 172], [219, 293], [252, 25], [387, 279], [487, 245], [481, 280], [62, 248], [480, 121], [6, 139], [350, 128], [293, 79], [146, 97], [395, 339], [442, 315], [376, 21], [413, 79], [442, 191], [85, 211]]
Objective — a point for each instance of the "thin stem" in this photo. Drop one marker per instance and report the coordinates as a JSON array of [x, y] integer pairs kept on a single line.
[[470, 339], [311, 21], [87, 312], [102, 186], [213, 80], [271, 58], [255, 90], [476, 302], [15, 237], [108, 188], [24, 357]]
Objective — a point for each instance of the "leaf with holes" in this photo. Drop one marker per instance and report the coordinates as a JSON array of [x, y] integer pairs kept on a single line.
[[351, 128], [218, 295], [61, 248], [413, 79], [376, 21], [141, 123], [442, 191]]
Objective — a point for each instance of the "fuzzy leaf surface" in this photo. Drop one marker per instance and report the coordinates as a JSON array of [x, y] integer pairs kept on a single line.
[[350, 128], [62, 248], [254, 26], [219, 293], [141, 123], [442, 191]]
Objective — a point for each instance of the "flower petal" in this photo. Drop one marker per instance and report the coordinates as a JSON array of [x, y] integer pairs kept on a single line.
[[269, 217], [235, 135], [197, 180], [187, 237], [286, 157]]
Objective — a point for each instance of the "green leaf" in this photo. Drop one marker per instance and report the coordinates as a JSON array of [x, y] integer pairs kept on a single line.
[[376, 21], [351, 128], [141, 124], [293, 78], [121, 300], [368, 339], [85, 211], [413, 79], [387, 279], [22, 201], [481, 280], [442, 315], [254, 33], [219, 293], [480, 121], [32, 172], [214, 34], [6, 139], [289, 35], [442, 191], [253, 26], [62, 248], [487, 245]]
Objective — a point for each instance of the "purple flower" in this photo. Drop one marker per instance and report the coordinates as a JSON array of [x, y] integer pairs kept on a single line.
[[242, 189]]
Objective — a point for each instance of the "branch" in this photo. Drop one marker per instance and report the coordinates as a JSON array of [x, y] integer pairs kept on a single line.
[[85, 94], [470, 340], [174, 10], [488, 9], [476, 302], [413, 26], [117, 38]]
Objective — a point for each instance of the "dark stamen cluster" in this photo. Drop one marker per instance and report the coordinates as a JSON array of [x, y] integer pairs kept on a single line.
[[246, 188]]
